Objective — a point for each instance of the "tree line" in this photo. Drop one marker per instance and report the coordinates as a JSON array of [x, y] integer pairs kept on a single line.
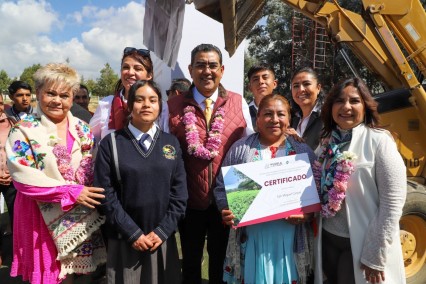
[[102, 86]]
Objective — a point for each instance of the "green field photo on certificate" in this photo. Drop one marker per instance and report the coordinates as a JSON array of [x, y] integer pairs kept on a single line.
[[240, 201], [240, 193]]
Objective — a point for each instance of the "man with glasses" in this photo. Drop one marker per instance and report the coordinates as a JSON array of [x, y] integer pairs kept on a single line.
[[207, 121]]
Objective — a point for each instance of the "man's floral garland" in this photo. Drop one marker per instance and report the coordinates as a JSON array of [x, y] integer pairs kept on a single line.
[[84, 173], [334, 180], [213, 143]]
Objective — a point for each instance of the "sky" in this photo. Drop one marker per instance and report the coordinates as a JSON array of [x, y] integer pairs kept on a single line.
[[87, 34]]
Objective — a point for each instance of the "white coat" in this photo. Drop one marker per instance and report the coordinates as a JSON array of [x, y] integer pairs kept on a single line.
[[374, 200]]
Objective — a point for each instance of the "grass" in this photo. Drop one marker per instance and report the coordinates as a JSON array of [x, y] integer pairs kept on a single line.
[[205, 263]]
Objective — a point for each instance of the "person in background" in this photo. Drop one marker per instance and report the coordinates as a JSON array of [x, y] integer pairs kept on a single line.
[[262, 82], [362, 187], [80, 105], [80, 112], [178, 87], [143, 209], [82, 98], [6, 185], [20, 94], [267, 253], [207, 121], [112, 113], [49, 155], [307, 99]]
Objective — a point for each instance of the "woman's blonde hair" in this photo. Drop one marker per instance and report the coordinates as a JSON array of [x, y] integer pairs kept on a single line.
[[54, 73]]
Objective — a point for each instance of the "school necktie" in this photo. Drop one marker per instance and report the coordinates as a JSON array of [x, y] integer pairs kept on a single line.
[[208, 110], [142, 140]]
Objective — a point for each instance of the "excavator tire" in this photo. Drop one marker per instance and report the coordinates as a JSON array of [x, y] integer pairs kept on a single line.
[[413, 234]]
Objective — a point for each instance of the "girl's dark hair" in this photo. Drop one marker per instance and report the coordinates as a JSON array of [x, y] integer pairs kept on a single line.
[[145, 60], [371, 116], [320, 98], [139, 84]]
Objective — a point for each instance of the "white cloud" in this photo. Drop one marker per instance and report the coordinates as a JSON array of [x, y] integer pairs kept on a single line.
[[25, 18], [25, 37]]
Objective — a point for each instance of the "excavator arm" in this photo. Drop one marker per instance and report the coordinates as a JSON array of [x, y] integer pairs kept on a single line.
[[372, 39]]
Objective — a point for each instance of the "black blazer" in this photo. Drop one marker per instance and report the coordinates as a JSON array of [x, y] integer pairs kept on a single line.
[[253, 115], [312, 131]]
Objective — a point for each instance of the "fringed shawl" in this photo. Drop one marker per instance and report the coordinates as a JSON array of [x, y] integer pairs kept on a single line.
[[31, 162]]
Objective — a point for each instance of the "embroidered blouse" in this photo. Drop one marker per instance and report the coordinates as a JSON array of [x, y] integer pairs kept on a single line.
[[34, 170]]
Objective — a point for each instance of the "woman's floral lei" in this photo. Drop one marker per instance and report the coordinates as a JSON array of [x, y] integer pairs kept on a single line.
[[213, 143], [84, 173], [332, 185]]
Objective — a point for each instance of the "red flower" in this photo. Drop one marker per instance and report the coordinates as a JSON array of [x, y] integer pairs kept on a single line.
[[85, 147]]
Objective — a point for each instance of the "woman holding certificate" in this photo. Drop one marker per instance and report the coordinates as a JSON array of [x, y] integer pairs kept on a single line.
[[362, 181], [267, 252]]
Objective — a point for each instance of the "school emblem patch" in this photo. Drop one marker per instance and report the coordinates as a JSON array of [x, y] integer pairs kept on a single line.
[[169, 152]]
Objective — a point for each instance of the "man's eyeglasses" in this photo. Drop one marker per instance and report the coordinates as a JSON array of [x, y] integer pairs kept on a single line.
[[202, 66], [143, 52]]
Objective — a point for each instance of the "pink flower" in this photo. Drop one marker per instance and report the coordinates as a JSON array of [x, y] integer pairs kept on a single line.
[[335, 185], [339, 186], [336, 195], [84, 173], [193, 138], [326, 211], [334, 205]]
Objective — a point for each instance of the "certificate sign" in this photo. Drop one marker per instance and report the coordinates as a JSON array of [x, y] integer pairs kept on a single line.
[[268, 190]]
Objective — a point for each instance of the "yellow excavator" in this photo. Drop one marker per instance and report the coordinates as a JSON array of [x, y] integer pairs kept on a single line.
[[389, 37]]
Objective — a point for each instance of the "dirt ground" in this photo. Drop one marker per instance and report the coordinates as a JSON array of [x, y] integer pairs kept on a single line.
[[84, 279]]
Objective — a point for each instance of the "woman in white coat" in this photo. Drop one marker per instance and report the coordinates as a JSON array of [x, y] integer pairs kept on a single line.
[[362, 186]]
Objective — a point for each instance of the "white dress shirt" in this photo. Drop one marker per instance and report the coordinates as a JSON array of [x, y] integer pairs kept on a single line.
[[199, 98], [138, 134]]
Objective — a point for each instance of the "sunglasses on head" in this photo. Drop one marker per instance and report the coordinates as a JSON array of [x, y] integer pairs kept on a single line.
[[143, 52]]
